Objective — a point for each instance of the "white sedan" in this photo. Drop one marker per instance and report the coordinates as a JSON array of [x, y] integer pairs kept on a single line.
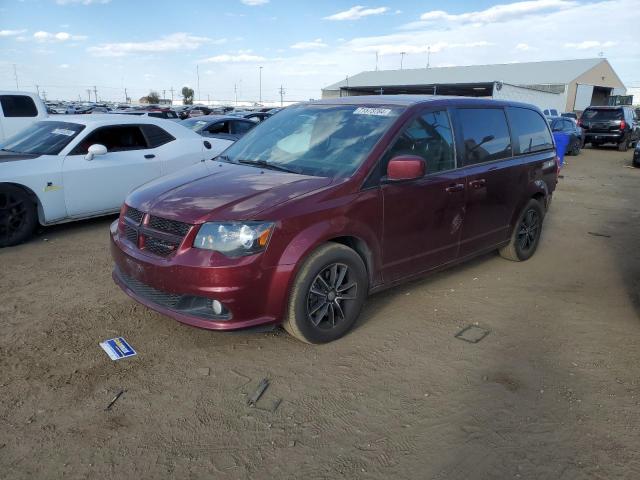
[[78, 166]]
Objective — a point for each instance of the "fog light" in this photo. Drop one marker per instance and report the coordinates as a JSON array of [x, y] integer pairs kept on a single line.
[[217, 307]]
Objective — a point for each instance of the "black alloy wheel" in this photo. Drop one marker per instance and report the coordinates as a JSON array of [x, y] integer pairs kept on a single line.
[[528, 230], [329, 293], [17, 216]]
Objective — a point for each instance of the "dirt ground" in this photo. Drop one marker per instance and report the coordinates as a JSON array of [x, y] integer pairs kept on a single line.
[[553, 392]]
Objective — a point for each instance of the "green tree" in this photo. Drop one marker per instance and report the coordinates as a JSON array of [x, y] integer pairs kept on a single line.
[[187, 95], [153, 97]]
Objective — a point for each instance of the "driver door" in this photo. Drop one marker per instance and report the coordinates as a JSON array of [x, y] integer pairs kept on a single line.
[[423, 217], [101, 185]]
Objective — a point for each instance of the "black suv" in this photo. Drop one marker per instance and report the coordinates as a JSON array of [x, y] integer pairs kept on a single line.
[[617, 125]]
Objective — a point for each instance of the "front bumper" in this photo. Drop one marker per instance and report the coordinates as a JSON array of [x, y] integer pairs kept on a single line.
[[183, 285]]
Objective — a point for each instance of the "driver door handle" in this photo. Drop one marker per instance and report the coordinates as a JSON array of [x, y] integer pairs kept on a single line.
[[456, 187], [149, 155]]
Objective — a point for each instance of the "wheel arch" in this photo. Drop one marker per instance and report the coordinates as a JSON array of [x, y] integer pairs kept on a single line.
[[32, 196]]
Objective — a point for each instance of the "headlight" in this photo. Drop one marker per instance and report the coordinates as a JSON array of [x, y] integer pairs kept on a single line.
[[234, 239]]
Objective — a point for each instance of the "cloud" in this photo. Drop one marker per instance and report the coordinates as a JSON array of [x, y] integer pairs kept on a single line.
[[254, 3], [63, 65], [239, 58], [524, 47], [589, 44], [170, 43], [317, 43], [43, 36], [11, 33], [356, 13], [83, 2], [497, 13]]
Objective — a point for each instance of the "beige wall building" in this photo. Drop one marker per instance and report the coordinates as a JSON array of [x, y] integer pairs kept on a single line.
[[566, 85]]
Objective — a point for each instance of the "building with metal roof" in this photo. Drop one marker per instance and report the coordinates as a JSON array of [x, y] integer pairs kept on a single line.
[[566, 85]]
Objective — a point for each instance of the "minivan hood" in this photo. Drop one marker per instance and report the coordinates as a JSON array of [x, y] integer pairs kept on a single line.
[[220, 191]]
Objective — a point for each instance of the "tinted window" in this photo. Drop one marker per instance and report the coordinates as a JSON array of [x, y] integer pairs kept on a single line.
[[43, 138], [156, 114], [602, 114], [530, 131], [241, 128], [156, 136], [18, 106], [428, 136], [118, 138], [485, 133]]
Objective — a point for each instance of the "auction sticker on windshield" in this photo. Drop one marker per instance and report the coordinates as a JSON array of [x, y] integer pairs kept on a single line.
[[63, 131], [117, 348], [380, 112]]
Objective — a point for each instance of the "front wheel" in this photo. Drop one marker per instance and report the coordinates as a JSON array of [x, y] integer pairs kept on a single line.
[[623, 146], [526, 234], [327, 294], [575, 149], [18, 215]]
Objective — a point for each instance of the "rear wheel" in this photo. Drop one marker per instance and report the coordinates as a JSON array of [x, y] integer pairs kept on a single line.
[[327, 295], [18, 215], [526, 234], [575, 148], [623, 146]]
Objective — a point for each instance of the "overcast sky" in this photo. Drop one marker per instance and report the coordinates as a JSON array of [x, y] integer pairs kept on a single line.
[[68, 46]]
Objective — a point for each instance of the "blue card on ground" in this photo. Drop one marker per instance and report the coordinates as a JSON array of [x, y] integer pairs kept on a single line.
[[117, 348]]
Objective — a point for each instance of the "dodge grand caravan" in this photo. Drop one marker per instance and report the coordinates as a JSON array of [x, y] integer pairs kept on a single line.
[[309, 212]]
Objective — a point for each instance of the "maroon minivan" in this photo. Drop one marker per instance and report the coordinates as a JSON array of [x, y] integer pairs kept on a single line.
[[329, 201]]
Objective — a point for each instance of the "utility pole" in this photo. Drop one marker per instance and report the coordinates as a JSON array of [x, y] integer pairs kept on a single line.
[[88, 93], [126, 97], [198, 77], [260, 72], [15, 74], [164, 94], [402, 54], [171, 95], [428, 56], [376, 61], [235, 93], [281, 95], [95, 93], [208, 101], [44, 95], [38, 90]]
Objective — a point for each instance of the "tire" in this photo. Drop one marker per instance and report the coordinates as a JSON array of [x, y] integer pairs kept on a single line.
[[575, 149], [623, 146], [526, 234], [18, 215], [313, 295]]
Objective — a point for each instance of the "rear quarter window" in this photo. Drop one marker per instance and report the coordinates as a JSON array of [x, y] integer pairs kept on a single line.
[[18, 106], [156, 136], [529, 130]]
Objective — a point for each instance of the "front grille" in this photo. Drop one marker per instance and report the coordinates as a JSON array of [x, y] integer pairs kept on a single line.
[[187, 304], [134, 214], [170, 226], [160, 236], [131, 234], [158, 246]]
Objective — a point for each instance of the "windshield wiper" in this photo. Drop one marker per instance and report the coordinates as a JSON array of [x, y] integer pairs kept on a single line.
[[265, 164]]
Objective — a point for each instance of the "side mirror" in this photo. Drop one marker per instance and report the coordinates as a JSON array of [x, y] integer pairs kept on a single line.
[[95, 150], [406, 167]]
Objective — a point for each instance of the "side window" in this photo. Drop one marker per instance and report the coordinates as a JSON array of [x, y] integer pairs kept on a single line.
[[156, 114], [529, 130], [485, 133], [428, 136], [156, 136], [240, 128], [220, 127], [18, 106], [117, 138]]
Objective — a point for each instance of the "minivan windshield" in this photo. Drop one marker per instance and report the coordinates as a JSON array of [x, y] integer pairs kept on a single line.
[[43, 138], [318, 140], [603, 114]]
